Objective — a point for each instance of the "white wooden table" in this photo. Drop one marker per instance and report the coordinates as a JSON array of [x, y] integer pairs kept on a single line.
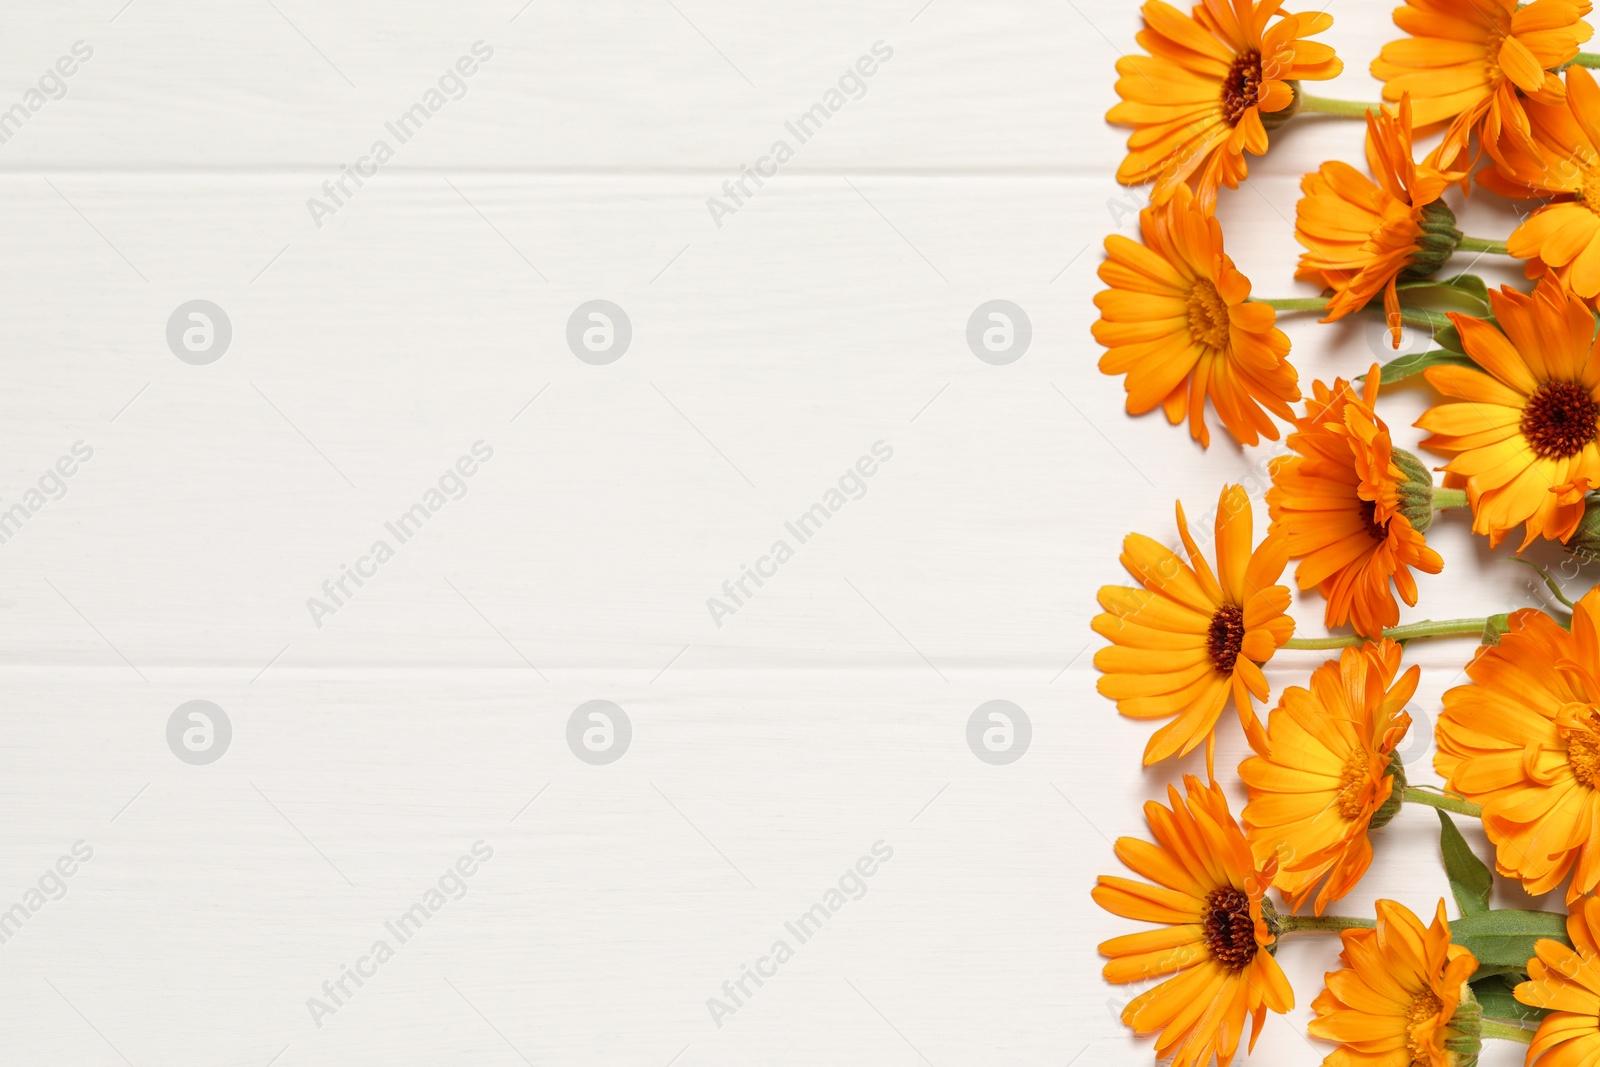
[[377, 338]]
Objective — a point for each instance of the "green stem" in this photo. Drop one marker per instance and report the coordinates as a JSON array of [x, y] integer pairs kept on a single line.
[[1294, 303], [1507, 1032], [1549, 581], [1289, 924], [1350, 109], [1448, 498], [1411, 316], [1587, 59], [1442, 801], [1426, 628], [1479, 244]]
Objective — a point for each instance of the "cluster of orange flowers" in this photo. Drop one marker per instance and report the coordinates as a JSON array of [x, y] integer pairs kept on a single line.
[[1505, 90]]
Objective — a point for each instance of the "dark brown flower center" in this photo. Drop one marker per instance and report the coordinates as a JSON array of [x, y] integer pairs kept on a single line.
[[1242, 87], [1208, 315], [1559, 419], [1378, 531], [1230, 931], [1225, 636]]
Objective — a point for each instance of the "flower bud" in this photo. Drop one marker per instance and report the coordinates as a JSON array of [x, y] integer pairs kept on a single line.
[[1271, 120], [1437, 242], [1584, 544], [1416, 490], [1464, 1036]]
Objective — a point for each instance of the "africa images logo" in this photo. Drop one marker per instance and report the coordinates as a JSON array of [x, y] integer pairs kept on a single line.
[[336, 192], [809, 123]]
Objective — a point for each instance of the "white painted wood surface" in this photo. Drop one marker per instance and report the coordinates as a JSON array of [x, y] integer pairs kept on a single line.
[[430, 710]]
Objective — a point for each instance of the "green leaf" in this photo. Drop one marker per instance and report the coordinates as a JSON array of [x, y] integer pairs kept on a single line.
[[1470, 880], [1471, 283], [1407, 366], [1494, 992], [1449, 339], [1465, 293], [1506, 937]]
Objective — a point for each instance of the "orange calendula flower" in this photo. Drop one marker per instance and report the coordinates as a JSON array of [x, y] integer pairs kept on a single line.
[[1523, 740], [1567, 981], [1363, 236], [1208, 897], [1466, 61], [1523, 432], [1189, 638], [1214, 82], [1352, 508], [1177, 323], [1324, 777], [1392, 1002], [1562, 165]]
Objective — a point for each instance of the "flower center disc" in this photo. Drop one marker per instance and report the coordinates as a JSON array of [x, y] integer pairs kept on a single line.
[[1230, 931], [1583, 754], [1352, 787], [1588, 193], [1491, 62], [1225, 637], [1242, 87], [1559, 419], [1208, 316], [1425, 1006]]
